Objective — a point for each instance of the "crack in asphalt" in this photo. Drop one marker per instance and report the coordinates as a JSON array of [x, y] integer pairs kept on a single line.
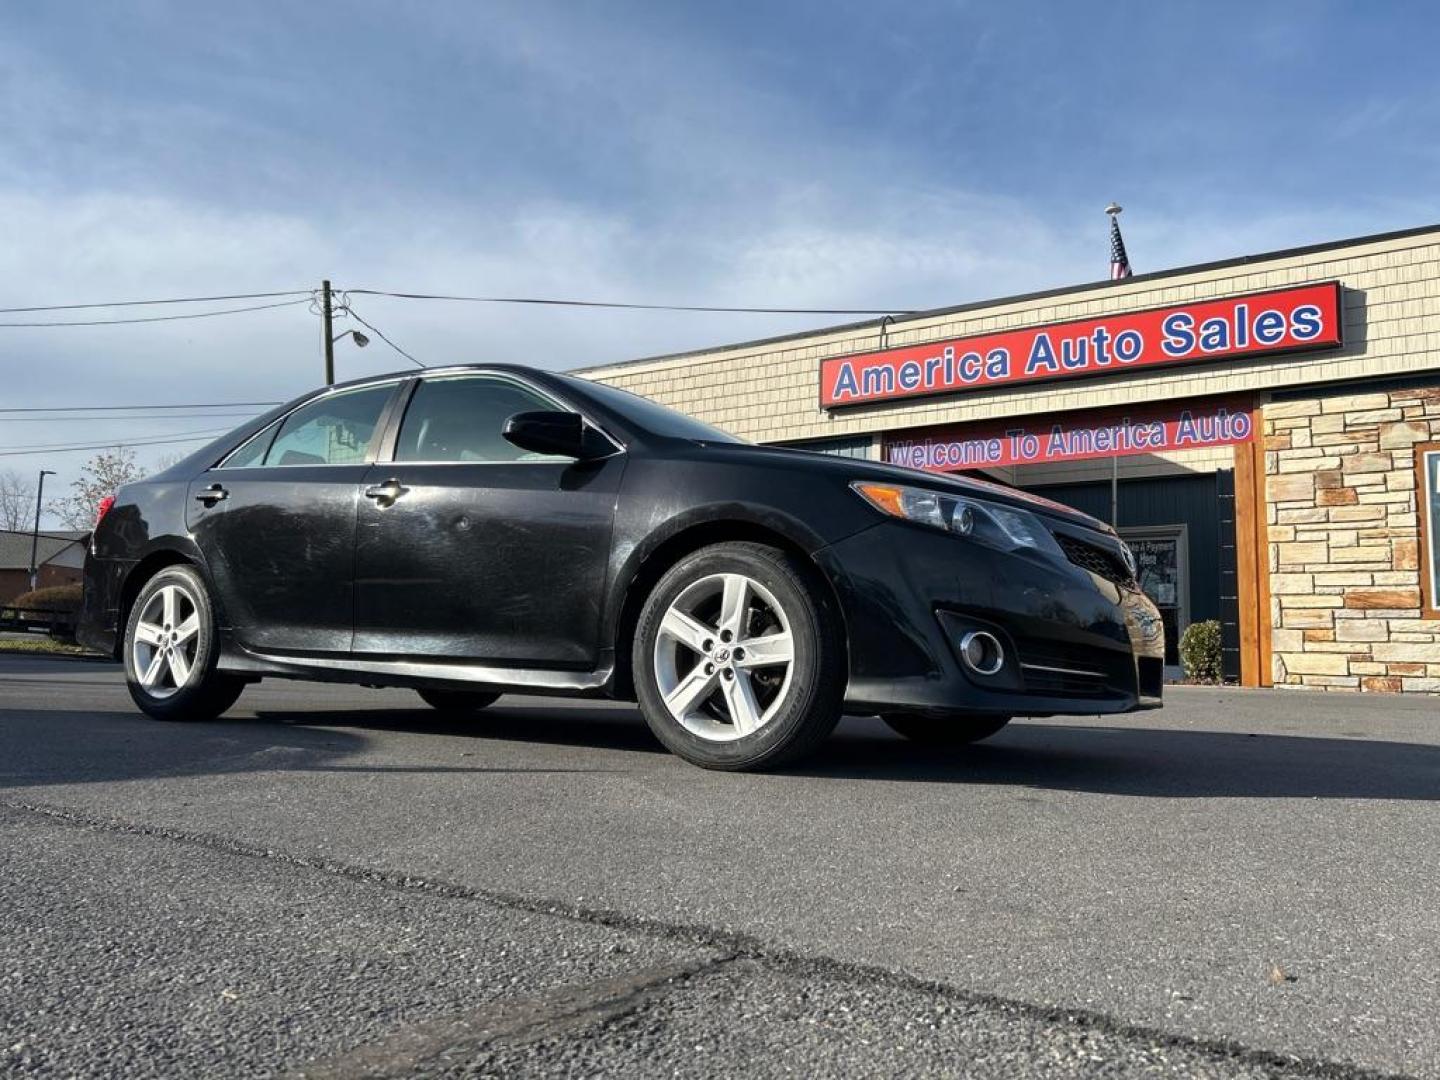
[[731, 945]]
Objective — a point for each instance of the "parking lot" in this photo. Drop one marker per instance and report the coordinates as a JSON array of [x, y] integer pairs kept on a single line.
[[342, 882]]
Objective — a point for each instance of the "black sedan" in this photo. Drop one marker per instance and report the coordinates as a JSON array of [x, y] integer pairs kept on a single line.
[[478, 530]]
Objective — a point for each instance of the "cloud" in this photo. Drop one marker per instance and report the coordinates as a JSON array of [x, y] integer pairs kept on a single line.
[[576, 152]]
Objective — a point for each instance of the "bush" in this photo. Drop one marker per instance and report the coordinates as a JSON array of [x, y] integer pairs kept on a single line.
[[52, 598], [1200, 651]]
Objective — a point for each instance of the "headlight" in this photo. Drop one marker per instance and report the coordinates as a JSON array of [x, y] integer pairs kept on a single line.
[[1004, 527]]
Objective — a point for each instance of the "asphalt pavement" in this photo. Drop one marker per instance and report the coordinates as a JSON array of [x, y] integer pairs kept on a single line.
[[334, 881]]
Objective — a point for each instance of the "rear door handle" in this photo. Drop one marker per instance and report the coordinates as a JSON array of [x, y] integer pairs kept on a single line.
[[212, 495], [385, 494]]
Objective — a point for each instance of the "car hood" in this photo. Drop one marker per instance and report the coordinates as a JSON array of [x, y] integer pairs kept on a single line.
[[860, 469]]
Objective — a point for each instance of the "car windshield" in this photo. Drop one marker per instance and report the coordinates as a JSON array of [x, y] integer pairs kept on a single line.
[[667, 423]]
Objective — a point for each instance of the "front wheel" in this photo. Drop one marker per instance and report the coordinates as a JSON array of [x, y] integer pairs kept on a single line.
[[739, 659], [957, 730], [171, 650]]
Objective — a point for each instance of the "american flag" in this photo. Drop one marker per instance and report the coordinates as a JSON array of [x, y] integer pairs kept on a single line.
[[1119, 261]]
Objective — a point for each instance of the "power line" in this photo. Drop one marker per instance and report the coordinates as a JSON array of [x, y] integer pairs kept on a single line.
[[107, 408], [122, 442], [123, 416], [159, 318], [112, 443], [632, 307], [381, 333], [144, 303], [544, 301]]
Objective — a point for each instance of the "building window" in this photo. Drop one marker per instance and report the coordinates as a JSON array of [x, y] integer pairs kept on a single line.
[[1427, 491]]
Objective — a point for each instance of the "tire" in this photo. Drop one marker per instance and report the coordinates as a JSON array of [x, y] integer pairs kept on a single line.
[[170, 650], [957, 730], [458, 701], [704, 635]]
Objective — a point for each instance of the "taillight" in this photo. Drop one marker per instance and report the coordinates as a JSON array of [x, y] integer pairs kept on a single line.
[[104, 508]]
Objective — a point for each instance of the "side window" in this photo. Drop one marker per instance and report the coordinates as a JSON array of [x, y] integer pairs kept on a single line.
[[251, 453], [460, 419], [335, 430]]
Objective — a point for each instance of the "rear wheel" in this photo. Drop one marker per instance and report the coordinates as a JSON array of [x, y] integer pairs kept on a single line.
[[739, 658], [171, 650], [957, 730], [458, 701]]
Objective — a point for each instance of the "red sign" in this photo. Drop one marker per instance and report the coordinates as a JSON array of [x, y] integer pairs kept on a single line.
[[1285, 320], [1096, 433]]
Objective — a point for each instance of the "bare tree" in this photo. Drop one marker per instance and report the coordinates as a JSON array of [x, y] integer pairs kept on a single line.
[[17, 500], [102, 475]]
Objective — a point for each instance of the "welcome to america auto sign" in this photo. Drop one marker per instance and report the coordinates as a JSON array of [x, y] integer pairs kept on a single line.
[[1152, 429], [1280, 321]]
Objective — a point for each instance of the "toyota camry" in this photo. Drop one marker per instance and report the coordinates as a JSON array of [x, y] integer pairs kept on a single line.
[[475, 531]]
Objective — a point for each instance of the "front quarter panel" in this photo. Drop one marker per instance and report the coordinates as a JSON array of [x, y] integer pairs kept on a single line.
[[663, 497]]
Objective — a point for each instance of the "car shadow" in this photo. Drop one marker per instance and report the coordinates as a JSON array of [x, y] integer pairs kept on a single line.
[[579, 726], [1152, 762], [73, 746], [64, 746]]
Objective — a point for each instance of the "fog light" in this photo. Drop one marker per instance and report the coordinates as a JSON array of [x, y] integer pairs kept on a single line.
[[982, 652]]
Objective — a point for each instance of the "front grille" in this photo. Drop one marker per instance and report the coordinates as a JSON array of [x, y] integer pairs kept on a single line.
[[1070, 684], [1093, 557], [1059, 670]]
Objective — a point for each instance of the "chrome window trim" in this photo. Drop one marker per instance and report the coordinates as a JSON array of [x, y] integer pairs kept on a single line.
[[392, 380], [270, 427]]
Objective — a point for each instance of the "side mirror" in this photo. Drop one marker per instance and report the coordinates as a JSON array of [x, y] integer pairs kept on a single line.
[[563, 433]]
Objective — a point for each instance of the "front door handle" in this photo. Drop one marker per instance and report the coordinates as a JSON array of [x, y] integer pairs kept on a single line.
[[212, 495], [385, 494]]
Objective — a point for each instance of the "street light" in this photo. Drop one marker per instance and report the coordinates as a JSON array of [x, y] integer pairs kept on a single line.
[[35, 536], [360, 339]]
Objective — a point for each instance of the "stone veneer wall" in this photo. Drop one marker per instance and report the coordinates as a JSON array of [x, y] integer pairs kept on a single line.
[[1344, 541]]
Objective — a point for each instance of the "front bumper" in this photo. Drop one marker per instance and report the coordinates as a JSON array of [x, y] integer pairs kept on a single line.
[[1074, 642]]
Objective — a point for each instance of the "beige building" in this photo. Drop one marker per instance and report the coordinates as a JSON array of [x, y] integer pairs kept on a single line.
[[1265, 432]]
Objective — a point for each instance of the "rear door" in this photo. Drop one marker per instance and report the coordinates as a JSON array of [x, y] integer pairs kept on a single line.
[[485, 552], [276, 523]]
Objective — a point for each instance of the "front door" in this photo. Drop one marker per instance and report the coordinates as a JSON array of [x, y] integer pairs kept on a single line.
[[479, 550], [276, 524]]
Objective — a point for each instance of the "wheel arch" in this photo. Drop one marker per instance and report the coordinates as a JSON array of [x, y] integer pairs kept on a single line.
[[148, 566], [668, 552]]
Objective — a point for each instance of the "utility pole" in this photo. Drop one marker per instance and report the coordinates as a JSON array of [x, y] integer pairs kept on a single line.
[[329, 333], [35, 536]]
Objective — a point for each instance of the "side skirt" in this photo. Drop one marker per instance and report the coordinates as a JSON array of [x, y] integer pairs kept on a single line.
[[412, 673]]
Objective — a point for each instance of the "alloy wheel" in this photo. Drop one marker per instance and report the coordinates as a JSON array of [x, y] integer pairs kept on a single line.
[[724, 656], [166, 641]]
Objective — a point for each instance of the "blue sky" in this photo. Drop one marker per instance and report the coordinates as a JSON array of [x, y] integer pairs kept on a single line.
[[786, 154]]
